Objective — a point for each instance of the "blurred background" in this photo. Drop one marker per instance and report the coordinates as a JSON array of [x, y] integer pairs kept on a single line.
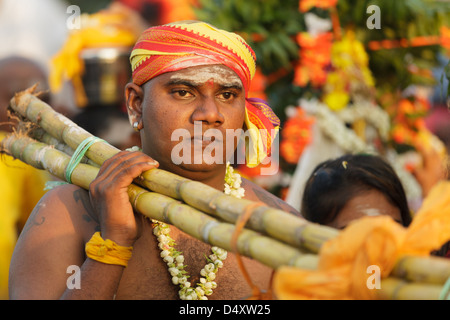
[[344, 76]]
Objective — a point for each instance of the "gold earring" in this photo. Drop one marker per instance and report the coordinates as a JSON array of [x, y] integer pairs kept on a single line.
[[135, 126]]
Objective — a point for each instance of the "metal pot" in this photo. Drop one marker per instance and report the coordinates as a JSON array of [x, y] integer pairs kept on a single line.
[[107, 71]]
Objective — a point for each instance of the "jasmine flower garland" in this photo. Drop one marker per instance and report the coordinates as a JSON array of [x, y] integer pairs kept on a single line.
[[233, 183], [175, 259]]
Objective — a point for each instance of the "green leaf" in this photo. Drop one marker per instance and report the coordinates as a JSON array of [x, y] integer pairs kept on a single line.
[[288, 44]]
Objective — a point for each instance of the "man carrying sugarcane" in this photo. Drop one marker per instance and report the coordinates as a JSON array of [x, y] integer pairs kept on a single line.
[[188, 77]]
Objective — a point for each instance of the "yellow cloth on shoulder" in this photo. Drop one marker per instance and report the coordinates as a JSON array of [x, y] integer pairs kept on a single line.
[[380, 241], [21, 187]]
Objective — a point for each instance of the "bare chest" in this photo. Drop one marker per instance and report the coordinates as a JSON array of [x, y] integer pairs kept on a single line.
[[147, 276]]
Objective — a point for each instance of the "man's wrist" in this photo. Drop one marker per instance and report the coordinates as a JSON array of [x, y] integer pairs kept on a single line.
[[120, 238]]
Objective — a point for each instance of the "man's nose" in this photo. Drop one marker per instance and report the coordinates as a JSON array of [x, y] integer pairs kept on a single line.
[[208, 112]]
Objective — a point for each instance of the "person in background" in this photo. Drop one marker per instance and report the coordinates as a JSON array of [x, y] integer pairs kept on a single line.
[[21, 186], [353, 186]]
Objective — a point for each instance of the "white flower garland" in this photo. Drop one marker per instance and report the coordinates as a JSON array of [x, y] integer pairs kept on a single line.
[[175, 259], [371, 113], [334, 128], [332, 125], [233, 183]]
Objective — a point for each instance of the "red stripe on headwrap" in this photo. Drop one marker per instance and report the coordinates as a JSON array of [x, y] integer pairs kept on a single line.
[[201, 50]]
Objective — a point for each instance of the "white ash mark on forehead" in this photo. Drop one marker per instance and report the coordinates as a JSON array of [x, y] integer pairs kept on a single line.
[[221, 75]]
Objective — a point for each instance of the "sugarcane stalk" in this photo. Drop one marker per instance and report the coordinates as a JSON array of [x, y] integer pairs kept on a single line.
[[46, 157], [276, 223], [212, 231], [398, 289], [41, 135], [418, 269], [165, 209], [26, 105], [197, 224]]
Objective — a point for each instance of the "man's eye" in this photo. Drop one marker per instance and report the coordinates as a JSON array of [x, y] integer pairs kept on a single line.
[[227, 95], [182, 93]]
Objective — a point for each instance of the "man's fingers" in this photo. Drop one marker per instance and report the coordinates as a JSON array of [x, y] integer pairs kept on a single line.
[[122, 159]]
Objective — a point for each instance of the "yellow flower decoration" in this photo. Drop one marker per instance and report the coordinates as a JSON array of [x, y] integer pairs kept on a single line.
[[351, 67]]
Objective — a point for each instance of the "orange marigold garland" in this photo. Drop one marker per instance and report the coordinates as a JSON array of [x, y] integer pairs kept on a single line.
[[295, 136], [306, 5], [314, 58], [409, 120]]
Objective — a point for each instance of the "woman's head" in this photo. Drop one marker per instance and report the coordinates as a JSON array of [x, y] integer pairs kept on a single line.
[[354, 186]]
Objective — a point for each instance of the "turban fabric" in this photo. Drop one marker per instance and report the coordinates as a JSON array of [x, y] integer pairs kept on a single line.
[[176, 46]]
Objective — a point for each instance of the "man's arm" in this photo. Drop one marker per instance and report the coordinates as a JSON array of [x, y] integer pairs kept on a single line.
[[47, 246], [53, 240], [51, 248]]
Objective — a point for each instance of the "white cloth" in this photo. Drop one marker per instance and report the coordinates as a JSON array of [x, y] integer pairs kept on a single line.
[[32, 29], [321, 149]]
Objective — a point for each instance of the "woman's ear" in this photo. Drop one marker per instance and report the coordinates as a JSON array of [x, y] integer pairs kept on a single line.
[[134, 96]]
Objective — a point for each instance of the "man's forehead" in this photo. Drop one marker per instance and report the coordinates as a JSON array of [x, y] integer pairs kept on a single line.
[[219, 74]]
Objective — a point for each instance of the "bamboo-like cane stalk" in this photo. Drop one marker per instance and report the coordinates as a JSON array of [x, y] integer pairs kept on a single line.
[[199, 225], [418, 269], [273, 222], [268, 251], [41, 135], [398, 289]]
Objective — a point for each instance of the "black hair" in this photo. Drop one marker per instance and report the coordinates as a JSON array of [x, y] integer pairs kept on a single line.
[[334, 182]]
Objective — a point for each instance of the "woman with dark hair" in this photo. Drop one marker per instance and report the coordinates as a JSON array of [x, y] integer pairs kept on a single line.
[[353, 186]]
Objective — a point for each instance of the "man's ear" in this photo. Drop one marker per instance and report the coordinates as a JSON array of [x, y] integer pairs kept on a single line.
[[134, 96]]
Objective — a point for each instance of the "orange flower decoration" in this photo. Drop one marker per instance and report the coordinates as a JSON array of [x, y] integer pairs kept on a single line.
[[306, 5], [314, 57], [409, 120], [295, 136], [258, 85], [445, 37]]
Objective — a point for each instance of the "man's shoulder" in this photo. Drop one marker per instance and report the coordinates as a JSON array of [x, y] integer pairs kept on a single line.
[[64, 194], [65, 208], [67, 200], [255, 192], [52, 239]]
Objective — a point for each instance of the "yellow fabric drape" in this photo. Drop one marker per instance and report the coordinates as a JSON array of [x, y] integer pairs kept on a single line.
[[21, 187], [343, 261]]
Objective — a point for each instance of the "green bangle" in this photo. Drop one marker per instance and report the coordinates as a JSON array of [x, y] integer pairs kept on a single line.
[[78, 155]]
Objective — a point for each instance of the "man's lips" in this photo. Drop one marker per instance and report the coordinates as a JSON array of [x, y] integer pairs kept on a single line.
[[204, 141]]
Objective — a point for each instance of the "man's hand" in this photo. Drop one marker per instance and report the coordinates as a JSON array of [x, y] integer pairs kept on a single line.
[[432, 169], [109, 195]]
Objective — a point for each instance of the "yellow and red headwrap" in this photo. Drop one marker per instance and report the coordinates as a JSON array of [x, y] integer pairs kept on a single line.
[[180, 45]]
